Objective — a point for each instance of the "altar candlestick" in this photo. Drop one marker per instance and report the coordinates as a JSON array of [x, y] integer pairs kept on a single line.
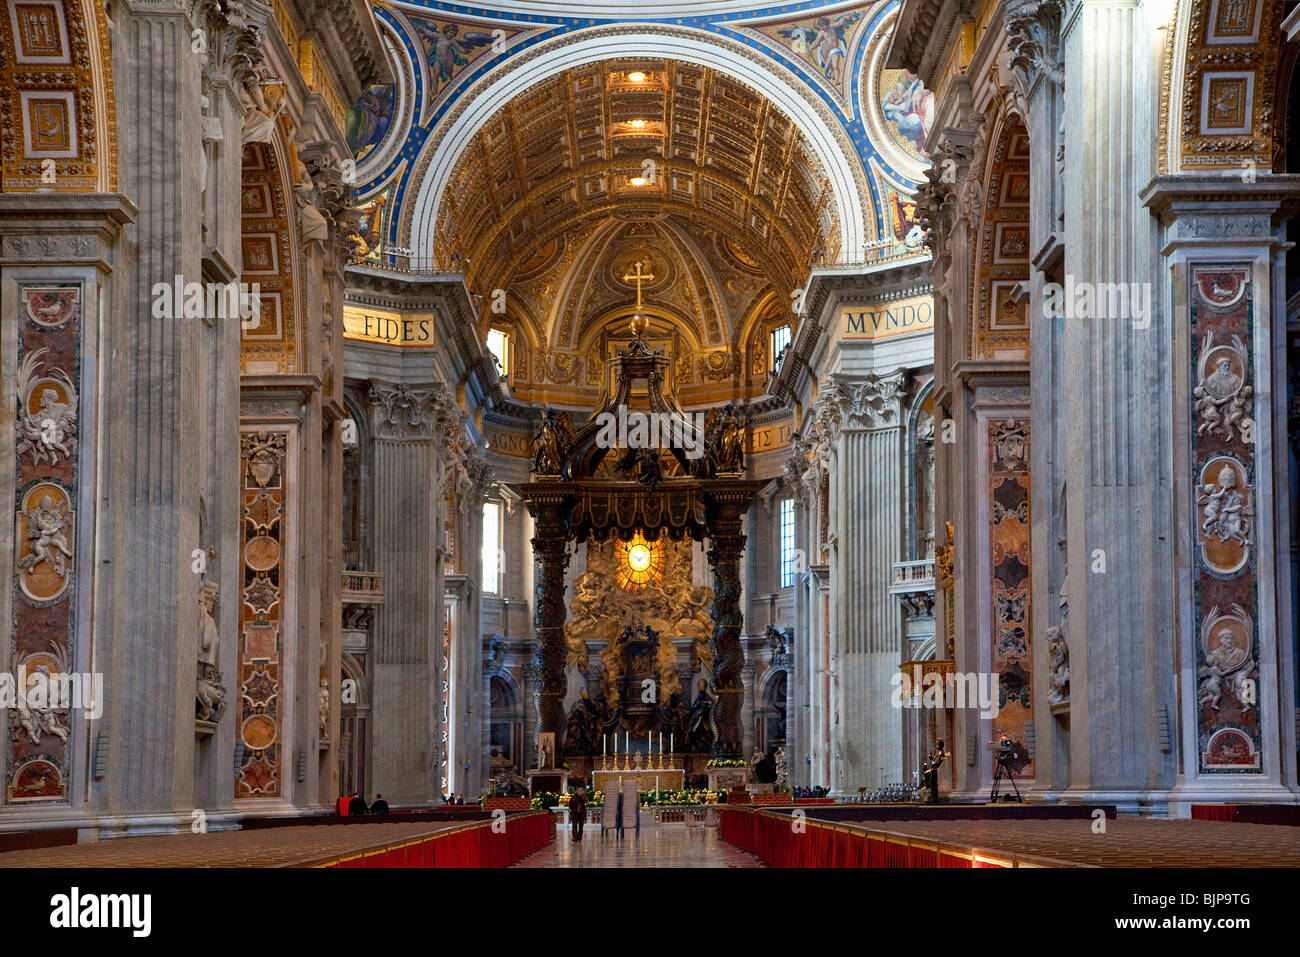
[[670, 742], [604, 743], [627, 742], [661, 742]]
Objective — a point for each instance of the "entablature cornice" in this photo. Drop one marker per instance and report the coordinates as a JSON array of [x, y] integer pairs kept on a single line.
[[926, 30], [976, 374], [827, 289]]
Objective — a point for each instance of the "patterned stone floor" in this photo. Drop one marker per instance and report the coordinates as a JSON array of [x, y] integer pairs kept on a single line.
[[271, 847], [663, 845]]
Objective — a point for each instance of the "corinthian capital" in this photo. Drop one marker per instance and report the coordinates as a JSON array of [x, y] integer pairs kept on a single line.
[[471, 474], [400, 412], [827, 420], [934, 208], [796, 466], [231, 45], [872, 402], [1034, 38]]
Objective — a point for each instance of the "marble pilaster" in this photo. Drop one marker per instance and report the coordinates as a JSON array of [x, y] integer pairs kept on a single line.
[[866, 638], [1222, 240], [1114, 411], [409, 517]]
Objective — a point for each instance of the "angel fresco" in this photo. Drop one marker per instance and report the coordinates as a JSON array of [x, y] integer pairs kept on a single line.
[[447, 49], [910, 107], [823, 43]]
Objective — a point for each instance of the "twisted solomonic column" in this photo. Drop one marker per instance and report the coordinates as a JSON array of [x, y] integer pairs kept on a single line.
[[551, 550], [725, 551]]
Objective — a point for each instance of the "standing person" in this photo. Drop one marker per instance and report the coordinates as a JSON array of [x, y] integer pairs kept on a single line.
[[357, 806], [618, 812], [577, 812], [380, 806]]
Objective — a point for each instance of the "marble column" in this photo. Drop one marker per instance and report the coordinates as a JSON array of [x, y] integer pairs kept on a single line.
[[1035, 70], [467, 743], [409, 516], [866, 636], [796, 735], [817, 769], [726, 547], [551, 548], [147, 478], [1116, 388]]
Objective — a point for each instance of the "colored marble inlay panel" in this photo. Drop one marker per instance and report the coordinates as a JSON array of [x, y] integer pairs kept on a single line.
[[1225, 576], [46, 473], [261, 617], [1009, 541]]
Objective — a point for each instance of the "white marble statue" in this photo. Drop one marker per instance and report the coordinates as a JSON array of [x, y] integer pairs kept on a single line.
[[209, 693], [1058, 666]]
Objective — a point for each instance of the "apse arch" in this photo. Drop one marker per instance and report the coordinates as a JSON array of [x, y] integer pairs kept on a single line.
[[594, 326], [848, 184]]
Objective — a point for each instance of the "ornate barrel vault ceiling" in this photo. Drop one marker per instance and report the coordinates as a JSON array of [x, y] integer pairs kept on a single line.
[[589, 142], [567, 187]]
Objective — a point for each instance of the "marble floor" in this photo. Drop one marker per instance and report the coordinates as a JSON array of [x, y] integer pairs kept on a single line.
[[663, 845]]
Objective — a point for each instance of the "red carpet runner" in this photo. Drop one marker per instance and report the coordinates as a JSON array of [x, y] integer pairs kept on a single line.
[[784, 842], [473, 845]]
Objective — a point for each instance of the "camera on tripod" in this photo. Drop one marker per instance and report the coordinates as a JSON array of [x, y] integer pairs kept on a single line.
[[1002, 747], [1010, 757]]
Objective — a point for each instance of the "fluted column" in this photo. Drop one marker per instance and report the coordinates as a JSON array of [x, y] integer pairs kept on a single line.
[[867, 634], [148, 482], [1116, 388], [409, 503]]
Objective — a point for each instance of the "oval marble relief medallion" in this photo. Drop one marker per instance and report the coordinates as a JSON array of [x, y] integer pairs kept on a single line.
[[36, 394], [1226, 515], [45, 544], [32, 663]]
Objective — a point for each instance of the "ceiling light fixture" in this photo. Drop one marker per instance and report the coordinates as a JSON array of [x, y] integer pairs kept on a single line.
[[638, 181], [637, 124], [636, 76]]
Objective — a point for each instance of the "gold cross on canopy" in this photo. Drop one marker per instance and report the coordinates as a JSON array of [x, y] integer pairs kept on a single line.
[[639, 277]]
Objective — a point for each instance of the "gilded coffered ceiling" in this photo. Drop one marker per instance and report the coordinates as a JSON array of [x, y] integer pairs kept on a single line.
[[608, 164]]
